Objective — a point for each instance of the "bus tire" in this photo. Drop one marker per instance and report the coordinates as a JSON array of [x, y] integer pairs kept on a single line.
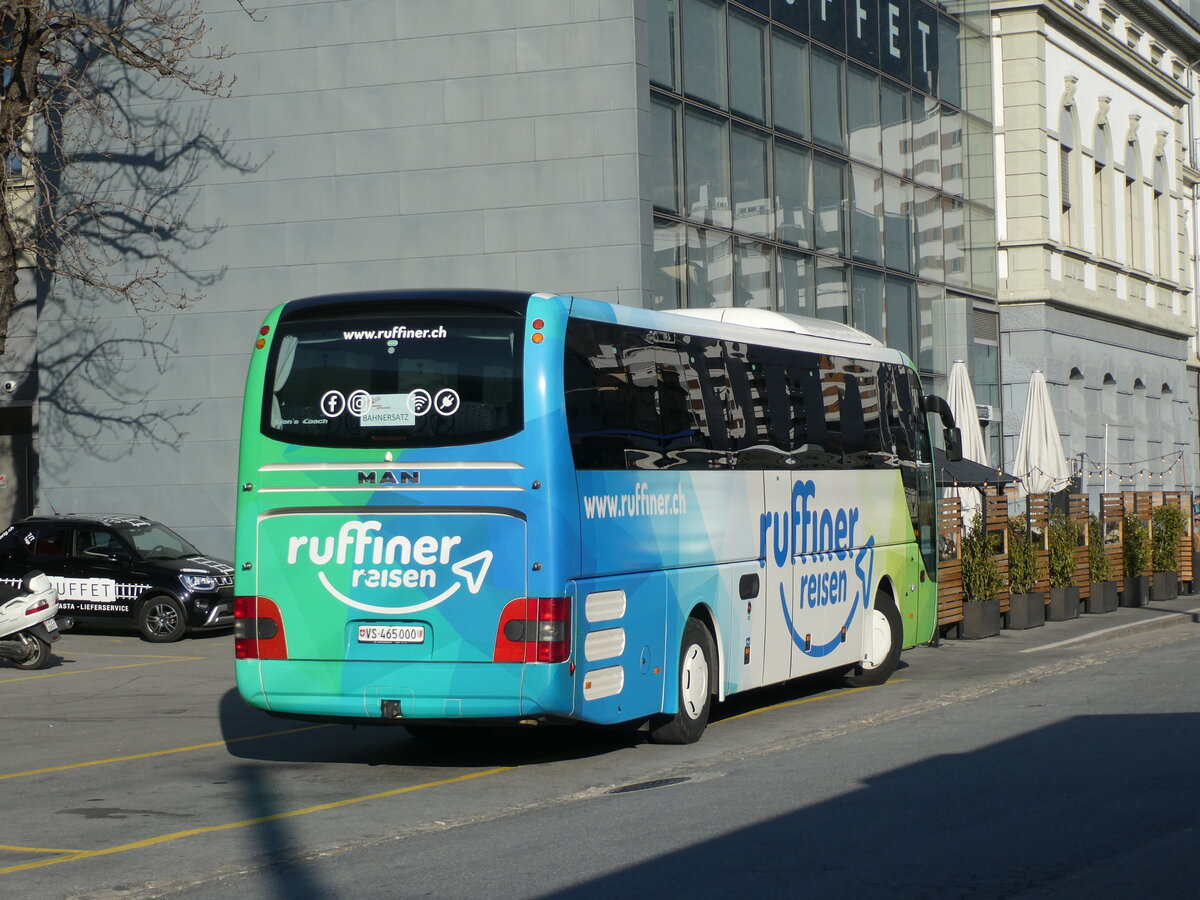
[[887, 636], [696, 676]]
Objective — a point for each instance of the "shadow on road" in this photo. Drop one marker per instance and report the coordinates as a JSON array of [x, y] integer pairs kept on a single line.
[[252, 735], [468, 747], [1099, 805]]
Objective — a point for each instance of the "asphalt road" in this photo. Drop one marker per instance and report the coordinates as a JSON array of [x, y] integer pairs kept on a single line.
[[1055, 762]]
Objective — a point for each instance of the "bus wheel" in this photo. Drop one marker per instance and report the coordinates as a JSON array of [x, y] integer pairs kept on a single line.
[[887, 635], [696, 671]]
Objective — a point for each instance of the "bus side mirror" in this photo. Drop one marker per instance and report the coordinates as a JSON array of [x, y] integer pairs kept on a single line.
[[932, 404], [952, 439]]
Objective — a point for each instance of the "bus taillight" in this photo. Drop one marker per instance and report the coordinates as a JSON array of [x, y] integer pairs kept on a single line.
[[534, 629], [258, 629]]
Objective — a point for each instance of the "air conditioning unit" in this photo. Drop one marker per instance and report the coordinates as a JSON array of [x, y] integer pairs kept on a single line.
[[985, 413]]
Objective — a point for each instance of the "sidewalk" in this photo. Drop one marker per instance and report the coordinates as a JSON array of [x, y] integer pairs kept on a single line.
[[1088, 629]]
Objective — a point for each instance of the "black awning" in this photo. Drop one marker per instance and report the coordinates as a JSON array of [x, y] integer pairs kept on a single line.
[[965, 472]]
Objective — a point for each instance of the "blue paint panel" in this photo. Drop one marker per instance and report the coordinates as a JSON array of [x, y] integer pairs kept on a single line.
[[644, 625]]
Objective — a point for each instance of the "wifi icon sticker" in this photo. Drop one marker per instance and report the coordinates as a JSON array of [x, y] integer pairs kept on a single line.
[[419, 402]]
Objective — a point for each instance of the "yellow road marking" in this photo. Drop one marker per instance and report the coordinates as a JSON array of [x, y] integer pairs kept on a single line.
[[156, 662], [152, 753], [784, 705], [36, 849], [245, 823], [73, 655]]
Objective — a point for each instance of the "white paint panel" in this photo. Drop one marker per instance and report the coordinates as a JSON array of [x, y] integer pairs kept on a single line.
[[603, 683], [604, 605], [606, 644]]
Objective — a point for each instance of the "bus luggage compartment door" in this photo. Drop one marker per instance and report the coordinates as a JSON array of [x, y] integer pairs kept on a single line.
[[391, 586], [621, 647]]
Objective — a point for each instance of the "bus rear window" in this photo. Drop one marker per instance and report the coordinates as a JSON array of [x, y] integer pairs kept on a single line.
[[394, 375]]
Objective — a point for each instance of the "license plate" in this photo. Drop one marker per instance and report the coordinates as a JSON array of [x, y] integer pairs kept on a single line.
[[51, 625], [391, 634]]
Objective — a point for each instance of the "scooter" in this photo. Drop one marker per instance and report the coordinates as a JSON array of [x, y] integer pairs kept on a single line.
[[27, 623]]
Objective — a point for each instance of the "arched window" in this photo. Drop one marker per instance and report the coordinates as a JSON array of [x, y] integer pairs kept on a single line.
[[1134, 237], [1077, 409], [1068, 176], [1162, 220], [1108, 413], [1102, 193]]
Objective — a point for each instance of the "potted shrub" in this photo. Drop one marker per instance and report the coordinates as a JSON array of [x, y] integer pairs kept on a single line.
[[1026, 607], [1103, 596], [1137, 561], [1169, 528], [1064, 537], [981, 583]]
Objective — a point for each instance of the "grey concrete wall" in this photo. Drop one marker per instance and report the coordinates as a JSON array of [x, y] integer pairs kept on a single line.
[[366, 144], [1144, 422]]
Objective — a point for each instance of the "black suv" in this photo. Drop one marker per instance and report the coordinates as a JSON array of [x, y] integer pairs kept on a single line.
[[122, 570]]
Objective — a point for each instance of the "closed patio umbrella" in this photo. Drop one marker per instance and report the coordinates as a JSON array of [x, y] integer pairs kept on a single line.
[[1040, 465], [961, 397]]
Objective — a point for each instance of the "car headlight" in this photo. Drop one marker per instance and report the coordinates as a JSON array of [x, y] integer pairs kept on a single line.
[[199, 582]]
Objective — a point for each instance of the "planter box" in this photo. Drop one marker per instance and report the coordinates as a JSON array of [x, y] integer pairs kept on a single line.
[[1103, 597], [981, 619], [1165, 586], [1064, 603], [1137, 591], [1026, 611]]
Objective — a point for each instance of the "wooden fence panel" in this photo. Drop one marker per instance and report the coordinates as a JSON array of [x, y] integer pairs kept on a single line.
[[1039, 527], [949, 588], [996, 523], [1142, 503], [1077, 512], [1183, 555], [1112, 515]]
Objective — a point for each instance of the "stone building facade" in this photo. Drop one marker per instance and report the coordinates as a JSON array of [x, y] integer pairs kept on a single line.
[[1096, 220]]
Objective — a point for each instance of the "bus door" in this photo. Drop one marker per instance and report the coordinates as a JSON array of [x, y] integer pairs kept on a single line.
[[775, 641]]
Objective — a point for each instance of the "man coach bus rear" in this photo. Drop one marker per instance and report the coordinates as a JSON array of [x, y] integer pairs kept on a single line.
[[491, 506]]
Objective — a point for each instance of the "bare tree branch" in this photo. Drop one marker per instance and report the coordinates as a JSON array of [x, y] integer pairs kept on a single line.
[[76, 78]]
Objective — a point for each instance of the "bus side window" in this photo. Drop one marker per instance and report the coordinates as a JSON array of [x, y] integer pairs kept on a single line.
[[902, 416], [887, 399], [692, 440], [832, 389], [739, 406], [854, 441], [601, 400], [777, 396], [813, 435], [707, 366], [871, 392]]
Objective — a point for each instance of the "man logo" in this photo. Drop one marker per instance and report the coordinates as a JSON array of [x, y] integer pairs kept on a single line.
[[389, 477]]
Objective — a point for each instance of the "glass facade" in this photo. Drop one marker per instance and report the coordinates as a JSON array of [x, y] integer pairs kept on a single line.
[[830, 159]]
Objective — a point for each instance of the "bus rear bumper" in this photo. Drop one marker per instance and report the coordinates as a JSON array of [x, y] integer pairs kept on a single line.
[[394, 692]]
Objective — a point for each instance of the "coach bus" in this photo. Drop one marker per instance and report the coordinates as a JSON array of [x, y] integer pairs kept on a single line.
[[492, 507]]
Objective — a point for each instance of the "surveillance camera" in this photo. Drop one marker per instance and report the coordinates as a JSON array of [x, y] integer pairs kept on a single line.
[[10, 386]]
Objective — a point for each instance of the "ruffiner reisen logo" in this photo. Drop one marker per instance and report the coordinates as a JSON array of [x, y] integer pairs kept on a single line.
[[819, 541], [363, 559]]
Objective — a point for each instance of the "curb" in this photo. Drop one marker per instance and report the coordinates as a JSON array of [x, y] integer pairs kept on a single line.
[[1163, 618]]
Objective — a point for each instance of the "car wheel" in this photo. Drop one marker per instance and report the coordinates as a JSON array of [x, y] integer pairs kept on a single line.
[[162, 620]]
